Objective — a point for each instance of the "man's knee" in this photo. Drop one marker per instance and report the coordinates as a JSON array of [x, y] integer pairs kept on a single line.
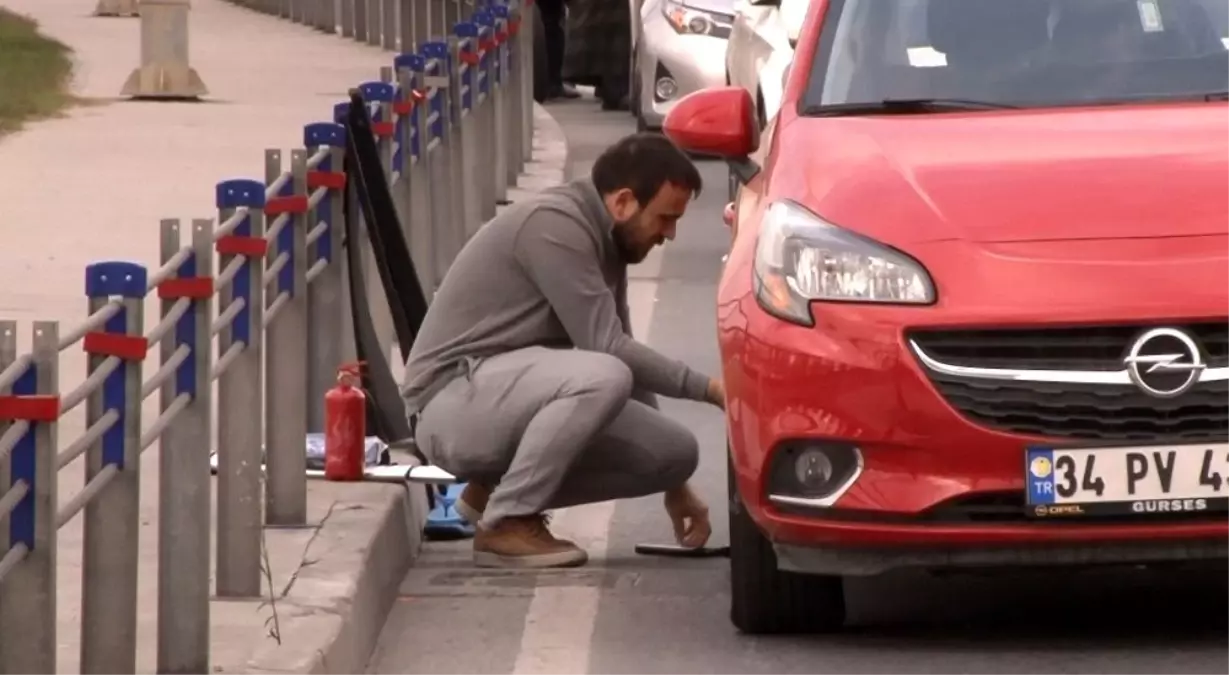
[[606, 375], [678, 451]]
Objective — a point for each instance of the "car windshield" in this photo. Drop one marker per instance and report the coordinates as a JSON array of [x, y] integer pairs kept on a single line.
[[1017, 52]]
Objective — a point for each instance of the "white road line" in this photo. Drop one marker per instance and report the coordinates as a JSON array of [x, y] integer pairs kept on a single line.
[[559, 624]]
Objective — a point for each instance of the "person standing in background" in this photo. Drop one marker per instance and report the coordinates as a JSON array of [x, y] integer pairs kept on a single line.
[[554, 14], [599, 49]]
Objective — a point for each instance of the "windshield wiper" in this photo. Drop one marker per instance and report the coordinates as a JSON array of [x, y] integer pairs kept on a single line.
[[905, 106]]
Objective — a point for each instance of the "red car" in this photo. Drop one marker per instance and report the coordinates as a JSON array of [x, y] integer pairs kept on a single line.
[[975, 308]]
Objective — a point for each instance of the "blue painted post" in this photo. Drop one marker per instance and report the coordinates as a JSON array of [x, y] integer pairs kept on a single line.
[[28, 567], [326, 318], [184, 486], [113, 517], [239, 373]]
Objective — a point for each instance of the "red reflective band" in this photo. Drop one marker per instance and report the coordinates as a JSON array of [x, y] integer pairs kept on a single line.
[[292, 204], [403, 107], [236, 245], [501, 37], [486, 44], [383, 128], [127, 347], [30, 408], [333, 180], [197, 288], [469, 58], [514, 27]]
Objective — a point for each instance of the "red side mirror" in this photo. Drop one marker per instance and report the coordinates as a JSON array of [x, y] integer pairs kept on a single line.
[[717, 121]]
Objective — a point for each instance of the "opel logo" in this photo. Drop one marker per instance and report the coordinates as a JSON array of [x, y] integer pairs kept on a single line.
[[1164, 362]]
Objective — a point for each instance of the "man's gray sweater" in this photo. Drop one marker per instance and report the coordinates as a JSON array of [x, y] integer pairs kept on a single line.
[[543, 272]]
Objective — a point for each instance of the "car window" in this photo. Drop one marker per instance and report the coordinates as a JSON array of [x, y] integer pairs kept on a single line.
[[1020, 52]]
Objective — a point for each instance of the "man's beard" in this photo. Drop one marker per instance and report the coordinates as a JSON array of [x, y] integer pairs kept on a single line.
[[629, 253]]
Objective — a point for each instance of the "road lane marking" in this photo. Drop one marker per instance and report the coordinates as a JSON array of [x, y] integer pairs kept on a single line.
[[558, 632]]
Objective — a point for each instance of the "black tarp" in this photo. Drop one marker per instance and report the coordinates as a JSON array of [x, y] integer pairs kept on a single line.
[[368, 190]]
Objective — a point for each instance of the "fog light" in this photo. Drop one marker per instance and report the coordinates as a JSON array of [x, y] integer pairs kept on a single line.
[[812, 472], [666, 88]]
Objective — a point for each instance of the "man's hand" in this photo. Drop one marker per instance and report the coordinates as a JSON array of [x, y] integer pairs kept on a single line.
[[689, 515], [716, 392]]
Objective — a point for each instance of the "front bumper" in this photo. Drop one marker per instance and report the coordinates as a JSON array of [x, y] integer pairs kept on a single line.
[[694, 62], [938, 486]]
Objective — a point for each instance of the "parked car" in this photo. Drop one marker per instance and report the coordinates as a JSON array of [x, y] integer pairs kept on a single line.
[[677, 48], [974, 312], [761, 48]]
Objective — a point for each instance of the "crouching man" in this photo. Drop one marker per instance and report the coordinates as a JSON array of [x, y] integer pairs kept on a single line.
[[525, 380]]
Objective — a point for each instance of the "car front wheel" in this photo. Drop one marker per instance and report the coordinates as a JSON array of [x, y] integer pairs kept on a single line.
[[765, 600]]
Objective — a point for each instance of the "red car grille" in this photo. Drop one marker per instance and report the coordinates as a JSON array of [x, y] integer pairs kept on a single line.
[[1068, 410]]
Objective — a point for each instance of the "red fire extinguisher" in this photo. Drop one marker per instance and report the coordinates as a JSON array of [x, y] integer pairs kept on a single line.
[[345, 426]]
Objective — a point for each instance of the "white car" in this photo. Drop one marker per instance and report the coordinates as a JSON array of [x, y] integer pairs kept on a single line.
[[761, 48], [678, 46]]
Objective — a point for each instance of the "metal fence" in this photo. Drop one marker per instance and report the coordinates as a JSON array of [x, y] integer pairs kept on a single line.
[[453, 120]]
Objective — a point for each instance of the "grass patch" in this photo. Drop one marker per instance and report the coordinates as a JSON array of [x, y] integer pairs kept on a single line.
[[34, 72]]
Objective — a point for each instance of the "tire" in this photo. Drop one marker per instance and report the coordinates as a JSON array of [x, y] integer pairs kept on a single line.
[[767, 601], [541, 83]]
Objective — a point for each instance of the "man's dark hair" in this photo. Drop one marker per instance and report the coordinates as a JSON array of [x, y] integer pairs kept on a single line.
[[643, 162]]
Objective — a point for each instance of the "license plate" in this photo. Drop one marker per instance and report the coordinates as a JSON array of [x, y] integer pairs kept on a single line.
[[1142, 480]]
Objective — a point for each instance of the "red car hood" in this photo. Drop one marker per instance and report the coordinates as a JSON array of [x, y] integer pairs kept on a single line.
[[1070, 174]]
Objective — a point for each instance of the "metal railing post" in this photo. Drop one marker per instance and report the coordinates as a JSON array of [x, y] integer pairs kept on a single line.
[[404, 101], [456, 229], [362, 22], [468, 97], [389, 27], [28, 568], [513, 108], [348, 9], [184, 502], [525, 31], [324, 280], [422, 24], [375, 22], [109, 562], [240, 409], [499, 103], [286, 347], [485, 107], [8, 354], [437, 82], [415, 188], [381, 95], [405, 26]]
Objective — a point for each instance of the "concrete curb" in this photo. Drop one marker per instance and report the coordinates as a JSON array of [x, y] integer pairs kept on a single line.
[[338, 600]]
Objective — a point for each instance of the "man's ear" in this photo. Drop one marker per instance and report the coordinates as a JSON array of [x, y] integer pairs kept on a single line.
[[623, 204]]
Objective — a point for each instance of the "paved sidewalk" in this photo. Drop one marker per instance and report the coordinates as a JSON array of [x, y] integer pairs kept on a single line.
[[93, 186]]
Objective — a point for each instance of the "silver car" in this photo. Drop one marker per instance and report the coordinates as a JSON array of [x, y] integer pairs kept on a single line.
[[677, 47]]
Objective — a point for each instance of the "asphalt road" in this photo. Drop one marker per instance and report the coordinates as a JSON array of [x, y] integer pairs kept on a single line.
[[630, 614]]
